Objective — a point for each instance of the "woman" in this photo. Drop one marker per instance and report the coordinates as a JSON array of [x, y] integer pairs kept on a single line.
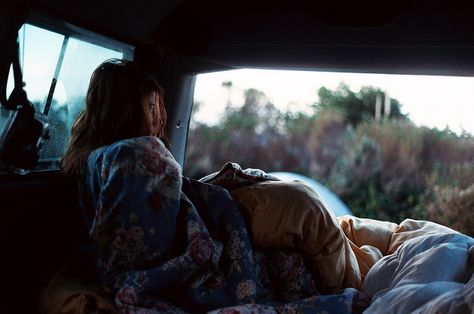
[[118, 156], [166, 242]]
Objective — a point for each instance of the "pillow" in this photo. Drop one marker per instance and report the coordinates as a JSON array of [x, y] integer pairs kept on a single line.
[[289, 214], [276, 211]]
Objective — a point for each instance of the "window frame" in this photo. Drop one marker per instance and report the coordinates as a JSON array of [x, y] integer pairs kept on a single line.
[[68, 29]]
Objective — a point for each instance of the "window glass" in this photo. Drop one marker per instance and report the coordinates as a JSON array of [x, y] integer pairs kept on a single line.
[[389, 146], [70, 92], [10, 81], [40, 51]]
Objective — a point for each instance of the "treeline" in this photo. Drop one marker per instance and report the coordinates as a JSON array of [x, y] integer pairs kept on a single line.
[[357, 143]]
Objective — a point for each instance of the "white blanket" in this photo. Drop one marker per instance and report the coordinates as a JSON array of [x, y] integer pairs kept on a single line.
[[428, 274]]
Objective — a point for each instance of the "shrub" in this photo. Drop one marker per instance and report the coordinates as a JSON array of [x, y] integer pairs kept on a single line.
[[327, 143], [454, 208]]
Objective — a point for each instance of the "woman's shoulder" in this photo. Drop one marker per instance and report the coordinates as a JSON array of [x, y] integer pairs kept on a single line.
[[135, 151], [143, 142], [130, 145]]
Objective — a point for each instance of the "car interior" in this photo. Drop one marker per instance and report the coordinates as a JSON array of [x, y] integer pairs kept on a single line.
[[41, 224]]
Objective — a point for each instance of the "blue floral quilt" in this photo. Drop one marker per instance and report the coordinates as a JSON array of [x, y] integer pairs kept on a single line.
[[176, 245]]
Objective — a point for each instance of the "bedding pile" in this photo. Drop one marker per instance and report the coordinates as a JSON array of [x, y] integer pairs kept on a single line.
[[413, 267], [427, 274], [241, 241]]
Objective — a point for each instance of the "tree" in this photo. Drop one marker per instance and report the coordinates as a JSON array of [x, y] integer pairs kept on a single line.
[[356, 107]]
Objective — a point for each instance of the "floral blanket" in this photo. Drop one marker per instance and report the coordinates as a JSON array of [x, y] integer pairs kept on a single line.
[[171, 244]]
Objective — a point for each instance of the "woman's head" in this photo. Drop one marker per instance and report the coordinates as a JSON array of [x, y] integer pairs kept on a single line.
[[114, 103], [122, 102]]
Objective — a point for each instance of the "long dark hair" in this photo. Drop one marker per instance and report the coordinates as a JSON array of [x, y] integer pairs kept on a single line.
[[113, 112]]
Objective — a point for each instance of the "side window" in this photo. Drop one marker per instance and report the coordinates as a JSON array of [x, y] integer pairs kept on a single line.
[[46, 56]]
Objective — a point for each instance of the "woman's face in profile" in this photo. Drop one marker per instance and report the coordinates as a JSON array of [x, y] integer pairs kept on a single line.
[[151, 104]]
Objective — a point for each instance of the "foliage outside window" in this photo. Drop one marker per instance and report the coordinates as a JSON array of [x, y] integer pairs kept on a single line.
[[358, 143]]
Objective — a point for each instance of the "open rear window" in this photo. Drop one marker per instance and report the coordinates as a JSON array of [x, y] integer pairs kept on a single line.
[[390, 146]]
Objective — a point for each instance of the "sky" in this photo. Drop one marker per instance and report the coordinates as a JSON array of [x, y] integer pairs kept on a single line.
[[432, 101]]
